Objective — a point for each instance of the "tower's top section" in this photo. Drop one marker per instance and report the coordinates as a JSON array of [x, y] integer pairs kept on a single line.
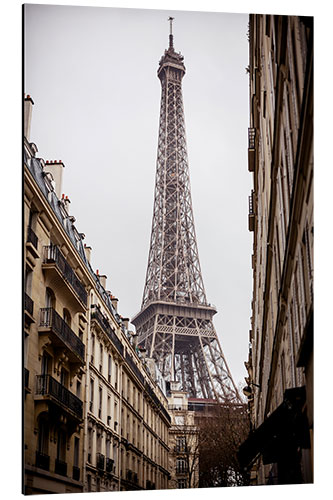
[[171, 59]]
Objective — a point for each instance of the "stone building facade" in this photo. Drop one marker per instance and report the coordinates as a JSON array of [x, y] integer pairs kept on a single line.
[[95, 417], [280, 157], [183, 442]]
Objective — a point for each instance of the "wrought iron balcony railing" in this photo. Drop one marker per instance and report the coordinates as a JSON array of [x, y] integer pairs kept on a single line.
[[252, 150], [103, 322], [251, 211], [76, 473], [48, 386], [26, 378], [252, 138], [100, 461], [109, 465], [181, 449], [32, 238], [28, 304], [181, 470], [52, 255], [49, 318], [42, 460], [60, 467]]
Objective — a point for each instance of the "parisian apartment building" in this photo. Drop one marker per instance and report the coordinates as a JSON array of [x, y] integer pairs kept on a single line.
[[95, 408], [279, 449]]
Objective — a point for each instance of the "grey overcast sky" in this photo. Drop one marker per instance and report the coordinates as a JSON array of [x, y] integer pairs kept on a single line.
[[91, 72]]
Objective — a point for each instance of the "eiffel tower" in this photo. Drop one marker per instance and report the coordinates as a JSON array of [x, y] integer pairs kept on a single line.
[[175, 323]]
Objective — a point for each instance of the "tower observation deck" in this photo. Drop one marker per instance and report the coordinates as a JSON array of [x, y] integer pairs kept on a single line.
[[175, 321]]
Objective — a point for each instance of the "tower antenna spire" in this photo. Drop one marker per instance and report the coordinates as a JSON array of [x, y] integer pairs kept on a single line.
[[171, 35]]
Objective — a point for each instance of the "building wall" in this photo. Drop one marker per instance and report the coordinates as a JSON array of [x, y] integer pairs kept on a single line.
[[54, 341], [184, 441], [281, 218], [95, 418]]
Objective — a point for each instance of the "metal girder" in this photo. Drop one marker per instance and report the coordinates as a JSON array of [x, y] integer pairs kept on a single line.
[[182, 341]]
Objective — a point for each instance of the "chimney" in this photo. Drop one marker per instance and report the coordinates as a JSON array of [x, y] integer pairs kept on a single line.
[[67, 202], [102, 279], [56, 168], [114, 302], [28, 103], [125, 321], [88, 252]]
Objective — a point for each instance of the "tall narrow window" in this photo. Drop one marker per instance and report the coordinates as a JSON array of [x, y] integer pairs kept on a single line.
[[101, 357], [64, 377], [46, 364], [78, 388], [92, 348], [100, 402], [109, 368], [116, 377], [91, 403], [76, 451], [61, 446]]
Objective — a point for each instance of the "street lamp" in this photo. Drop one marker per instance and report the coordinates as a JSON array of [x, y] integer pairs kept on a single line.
[[247, 391]]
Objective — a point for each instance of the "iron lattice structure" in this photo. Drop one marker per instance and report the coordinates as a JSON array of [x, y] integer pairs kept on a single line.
[[175, 322]]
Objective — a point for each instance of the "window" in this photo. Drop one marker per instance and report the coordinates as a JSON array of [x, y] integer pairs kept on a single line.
[[181, 443], [92, 347], [78, 389], [76, 451], [116, 377], [91, 394], [46, 364], [109, 368], [100, 357], [181, 484], [100, 402], [67, 317], [107, 448], [61, 446], [181, 467], [43, 436], [64, 377], [49, 298]]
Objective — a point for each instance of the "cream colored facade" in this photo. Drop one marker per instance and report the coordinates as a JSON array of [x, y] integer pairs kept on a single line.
[[127, 419], [95, 418], [281, 218], [184, 441]]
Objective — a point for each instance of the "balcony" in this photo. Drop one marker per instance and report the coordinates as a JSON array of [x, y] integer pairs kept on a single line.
[[181, 449], [100, 461], [42, 460], [76, 473], [59, 395], [32, 243], [28, 304], [251, 213], [252, 149], [105, 325], [62, 277], [109, 465], [26, 380], [60, 467], [150, 485], [181, 470], [52, 324]]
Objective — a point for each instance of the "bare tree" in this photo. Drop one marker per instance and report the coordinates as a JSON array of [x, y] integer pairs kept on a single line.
[[221, 431], [185, 451]]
